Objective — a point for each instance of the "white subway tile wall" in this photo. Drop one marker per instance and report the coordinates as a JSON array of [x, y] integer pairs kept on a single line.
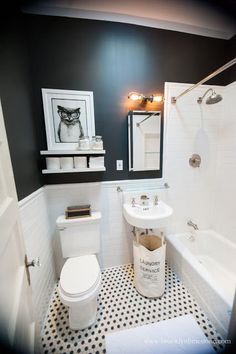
[[191, 128], [223, 216], [116, 238]]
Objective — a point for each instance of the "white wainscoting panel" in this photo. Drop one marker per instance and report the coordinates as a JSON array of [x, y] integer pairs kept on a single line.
[[38, 241]]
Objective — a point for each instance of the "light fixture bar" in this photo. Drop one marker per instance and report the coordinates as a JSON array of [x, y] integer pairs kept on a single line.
[[216, 72], [136, 96]]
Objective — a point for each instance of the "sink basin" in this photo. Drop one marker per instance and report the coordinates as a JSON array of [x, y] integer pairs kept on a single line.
[[147, 216]]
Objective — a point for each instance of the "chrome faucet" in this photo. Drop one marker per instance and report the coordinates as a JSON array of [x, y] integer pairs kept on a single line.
[[190, 223], [144, 199]]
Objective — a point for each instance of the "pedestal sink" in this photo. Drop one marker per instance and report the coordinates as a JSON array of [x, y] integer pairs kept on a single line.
[[147, 216]]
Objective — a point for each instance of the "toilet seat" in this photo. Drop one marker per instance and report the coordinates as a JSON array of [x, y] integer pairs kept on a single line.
[[80, 277]]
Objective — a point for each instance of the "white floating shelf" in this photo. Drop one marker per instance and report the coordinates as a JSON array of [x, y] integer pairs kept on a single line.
[[75, 170], [72, 152]]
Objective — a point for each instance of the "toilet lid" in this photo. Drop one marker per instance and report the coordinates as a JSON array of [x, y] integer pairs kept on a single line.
[[79, 274]]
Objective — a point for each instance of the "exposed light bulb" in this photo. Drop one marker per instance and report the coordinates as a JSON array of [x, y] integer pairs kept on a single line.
[[135, 96], [157, 98]]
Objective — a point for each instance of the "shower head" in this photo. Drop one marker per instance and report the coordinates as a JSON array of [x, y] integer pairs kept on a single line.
[[213, 98]]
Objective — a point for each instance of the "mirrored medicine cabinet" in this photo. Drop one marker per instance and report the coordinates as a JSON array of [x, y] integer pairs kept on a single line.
[[144, 134]]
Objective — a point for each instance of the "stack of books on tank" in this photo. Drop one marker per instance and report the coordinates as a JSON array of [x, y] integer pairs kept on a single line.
[[78, 211]]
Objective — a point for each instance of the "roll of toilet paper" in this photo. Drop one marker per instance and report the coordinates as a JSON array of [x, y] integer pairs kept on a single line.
[[96, 162], [80, 162], [53, 163], [66, 163]]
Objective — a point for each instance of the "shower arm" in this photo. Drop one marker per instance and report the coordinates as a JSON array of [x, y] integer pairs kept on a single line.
[[200, 99], [216, 72]]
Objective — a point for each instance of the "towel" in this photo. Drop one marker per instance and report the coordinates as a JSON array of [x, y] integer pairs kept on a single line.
[[180, 335]]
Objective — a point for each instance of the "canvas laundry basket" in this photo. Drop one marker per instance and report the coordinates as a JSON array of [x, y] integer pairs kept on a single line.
[[149, 265]]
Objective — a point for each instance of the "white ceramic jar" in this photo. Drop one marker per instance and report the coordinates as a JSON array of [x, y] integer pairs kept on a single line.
[[84, 143], [97, 143]]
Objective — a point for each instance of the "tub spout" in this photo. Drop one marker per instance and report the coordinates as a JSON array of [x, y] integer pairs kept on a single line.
[[190, 223]]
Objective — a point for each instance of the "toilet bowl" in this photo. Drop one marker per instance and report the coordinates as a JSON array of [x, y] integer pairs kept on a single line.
[[79, 286], [80, 278]]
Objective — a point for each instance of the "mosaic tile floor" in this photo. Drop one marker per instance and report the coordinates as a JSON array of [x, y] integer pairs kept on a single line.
[[120, 306]]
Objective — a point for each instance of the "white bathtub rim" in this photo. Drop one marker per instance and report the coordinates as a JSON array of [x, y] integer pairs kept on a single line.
[[200, 269], [219, 237], [221, 327]]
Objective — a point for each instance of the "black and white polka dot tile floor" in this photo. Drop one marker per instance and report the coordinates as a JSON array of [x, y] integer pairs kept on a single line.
[[120, 306]]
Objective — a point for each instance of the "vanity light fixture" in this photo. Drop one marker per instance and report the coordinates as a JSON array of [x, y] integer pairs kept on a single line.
[[136, 96]]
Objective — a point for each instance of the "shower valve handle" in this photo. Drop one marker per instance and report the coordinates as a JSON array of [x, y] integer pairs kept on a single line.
[[195, 160]]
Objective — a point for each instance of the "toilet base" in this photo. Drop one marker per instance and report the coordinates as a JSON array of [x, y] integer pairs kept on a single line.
[[83, 315]]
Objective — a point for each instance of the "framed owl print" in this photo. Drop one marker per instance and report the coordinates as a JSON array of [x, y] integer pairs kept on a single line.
[[69, 115]]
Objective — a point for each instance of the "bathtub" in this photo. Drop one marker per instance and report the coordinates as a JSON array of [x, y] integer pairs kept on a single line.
[[206, 263]]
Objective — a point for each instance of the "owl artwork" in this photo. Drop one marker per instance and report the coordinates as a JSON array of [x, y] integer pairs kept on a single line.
[[70, 128]]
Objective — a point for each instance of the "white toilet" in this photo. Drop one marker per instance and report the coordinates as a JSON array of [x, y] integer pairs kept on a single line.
[[80, 278]]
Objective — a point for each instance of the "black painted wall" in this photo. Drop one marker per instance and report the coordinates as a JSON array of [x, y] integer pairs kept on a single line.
[[112, 59], [15, 93], [109, 59], [230, 74]]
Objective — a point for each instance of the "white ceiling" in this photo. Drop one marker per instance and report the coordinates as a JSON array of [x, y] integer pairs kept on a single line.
[[189, 16]]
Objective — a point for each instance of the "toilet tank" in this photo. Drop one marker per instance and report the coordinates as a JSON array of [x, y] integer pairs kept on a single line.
[[79, 236]]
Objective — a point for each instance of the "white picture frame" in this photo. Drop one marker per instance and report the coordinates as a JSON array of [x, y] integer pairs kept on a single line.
[[68, 115]]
